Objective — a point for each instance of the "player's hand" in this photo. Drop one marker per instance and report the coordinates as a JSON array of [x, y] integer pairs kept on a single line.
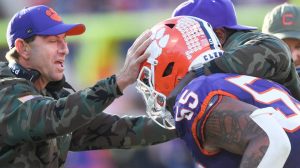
[[135, 56]]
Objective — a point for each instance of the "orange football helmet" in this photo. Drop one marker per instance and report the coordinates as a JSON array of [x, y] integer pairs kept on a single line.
[[179, 45]]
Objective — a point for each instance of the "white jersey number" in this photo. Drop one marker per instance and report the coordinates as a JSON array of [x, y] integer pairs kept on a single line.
[[187, 97], [291, 122]]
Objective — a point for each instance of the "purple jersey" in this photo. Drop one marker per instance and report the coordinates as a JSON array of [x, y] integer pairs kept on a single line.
[[193, 104]]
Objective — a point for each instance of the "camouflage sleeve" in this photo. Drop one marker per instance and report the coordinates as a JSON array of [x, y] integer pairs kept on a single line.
[[264, 57], [110, 131], [27, 116]]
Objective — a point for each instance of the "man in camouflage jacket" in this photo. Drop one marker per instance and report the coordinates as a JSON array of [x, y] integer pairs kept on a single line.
[[40, 121], [246, 52]]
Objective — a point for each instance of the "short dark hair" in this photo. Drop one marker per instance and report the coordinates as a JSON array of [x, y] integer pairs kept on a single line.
[[230, 31]]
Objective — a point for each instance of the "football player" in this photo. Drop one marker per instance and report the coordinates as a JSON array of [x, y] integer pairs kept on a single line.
[[225, 119]]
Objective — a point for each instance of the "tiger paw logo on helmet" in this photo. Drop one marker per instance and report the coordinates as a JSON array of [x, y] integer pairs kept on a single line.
[[53, 15], [159, 42]]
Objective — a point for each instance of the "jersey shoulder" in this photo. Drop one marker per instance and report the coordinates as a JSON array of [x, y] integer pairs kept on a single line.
[[208, 82], [202, 88]]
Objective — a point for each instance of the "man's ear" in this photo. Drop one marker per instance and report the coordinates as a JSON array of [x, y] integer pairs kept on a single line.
[[22, 47], [221, 34]]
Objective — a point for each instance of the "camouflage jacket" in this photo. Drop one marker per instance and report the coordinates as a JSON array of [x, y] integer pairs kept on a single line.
[[260, 55], [38, 130]]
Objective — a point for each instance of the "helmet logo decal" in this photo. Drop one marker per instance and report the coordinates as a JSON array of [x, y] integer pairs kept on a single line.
[[193, 35], [159, 42], [288, 19], [53, 15]]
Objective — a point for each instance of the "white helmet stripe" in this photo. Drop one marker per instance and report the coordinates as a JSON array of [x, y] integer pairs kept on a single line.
[[211, 36]]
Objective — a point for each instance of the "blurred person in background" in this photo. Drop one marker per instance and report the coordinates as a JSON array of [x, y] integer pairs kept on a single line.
[[41, 119], [283, 21], [245, 51]]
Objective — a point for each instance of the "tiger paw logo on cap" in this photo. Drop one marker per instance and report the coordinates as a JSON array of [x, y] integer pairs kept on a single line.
[[53, 15]]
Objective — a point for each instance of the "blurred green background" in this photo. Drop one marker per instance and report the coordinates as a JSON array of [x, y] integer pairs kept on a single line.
[[99, 51]]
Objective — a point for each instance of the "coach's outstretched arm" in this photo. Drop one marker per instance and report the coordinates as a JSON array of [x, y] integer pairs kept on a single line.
[[119, 133]]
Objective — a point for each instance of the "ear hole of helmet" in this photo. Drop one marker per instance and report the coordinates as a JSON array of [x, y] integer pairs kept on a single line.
[[170, 25], [168, 69]]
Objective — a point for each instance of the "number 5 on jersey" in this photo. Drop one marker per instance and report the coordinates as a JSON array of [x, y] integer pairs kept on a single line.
[[189, 101]]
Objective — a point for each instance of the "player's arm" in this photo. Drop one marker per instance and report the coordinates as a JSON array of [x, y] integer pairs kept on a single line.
[[110, 131], [243, 129]]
